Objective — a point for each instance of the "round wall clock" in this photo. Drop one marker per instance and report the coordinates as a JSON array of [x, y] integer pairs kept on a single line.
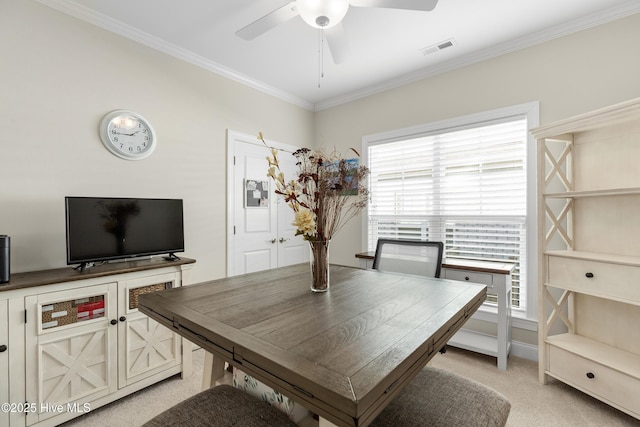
[[127, 135]]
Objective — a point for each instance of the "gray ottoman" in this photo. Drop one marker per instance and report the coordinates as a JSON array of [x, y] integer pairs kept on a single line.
[[439, 398], [221, 406]]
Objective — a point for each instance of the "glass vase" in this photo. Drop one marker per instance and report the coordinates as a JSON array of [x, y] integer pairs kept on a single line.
[[319, 260]]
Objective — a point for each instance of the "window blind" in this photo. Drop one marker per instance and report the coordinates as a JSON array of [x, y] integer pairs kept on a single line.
[[465, 187]]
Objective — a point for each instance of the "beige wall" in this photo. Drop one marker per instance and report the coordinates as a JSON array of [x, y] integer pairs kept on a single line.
[[570, 75], [59, 77]]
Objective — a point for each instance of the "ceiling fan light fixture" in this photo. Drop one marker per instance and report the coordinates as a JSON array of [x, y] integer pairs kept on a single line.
[[322, 13]]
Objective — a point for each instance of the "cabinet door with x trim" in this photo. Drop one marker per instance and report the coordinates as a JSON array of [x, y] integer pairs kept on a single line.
[[146, 347], [71, 348]]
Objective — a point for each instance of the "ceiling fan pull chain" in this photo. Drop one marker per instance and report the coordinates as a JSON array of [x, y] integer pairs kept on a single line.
[[320, 56]]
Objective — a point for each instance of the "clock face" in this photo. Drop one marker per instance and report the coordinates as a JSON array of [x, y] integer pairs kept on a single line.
[[127, 135]]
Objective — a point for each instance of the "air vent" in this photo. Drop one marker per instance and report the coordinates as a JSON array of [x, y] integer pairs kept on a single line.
[[437, 47]]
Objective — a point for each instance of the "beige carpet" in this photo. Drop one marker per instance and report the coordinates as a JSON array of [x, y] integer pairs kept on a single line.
[[533, 404]]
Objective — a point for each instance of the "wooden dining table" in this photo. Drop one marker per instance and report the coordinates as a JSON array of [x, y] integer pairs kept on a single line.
[[343, 354]]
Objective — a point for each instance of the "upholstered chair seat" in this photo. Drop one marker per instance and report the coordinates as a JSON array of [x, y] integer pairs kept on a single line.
[[437, 398], [221, 406]]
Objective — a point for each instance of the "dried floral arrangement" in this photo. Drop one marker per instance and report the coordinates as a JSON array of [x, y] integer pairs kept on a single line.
[[328, 191]]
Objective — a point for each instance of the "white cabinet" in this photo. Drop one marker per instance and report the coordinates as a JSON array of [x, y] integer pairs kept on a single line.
[[4, 360], [498, 292], [85, 343], [79, 342], [589, 259]]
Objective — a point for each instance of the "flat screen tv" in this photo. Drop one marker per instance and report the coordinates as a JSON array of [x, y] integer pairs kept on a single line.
[[108, 228]]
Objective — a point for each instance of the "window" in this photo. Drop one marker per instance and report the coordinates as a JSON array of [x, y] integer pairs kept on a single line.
[[465, 185]]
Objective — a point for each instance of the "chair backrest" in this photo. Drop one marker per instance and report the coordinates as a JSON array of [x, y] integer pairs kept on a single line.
[[409, 256]]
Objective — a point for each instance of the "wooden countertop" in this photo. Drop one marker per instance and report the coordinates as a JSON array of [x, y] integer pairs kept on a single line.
[[491, 267], [69, 274]]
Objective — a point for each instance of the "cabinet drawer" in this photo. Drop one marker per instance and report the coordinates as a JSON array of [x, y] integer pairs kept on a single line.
[[607, 384], [470, 276], [614, 281]]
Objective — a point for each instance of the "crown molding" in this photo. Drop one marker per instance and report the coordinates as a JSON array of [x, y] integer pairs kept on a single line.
[[69, 7], [626, 9], [85, 14]]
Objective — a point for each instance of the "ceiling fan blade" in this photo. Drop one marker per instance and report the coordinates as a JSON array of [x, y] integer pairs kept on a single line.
[[269, 21], [337, 42], [425, 5]]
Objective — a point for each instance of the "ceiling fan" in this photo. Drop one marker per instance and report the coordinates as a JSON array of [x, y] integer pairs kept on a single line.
[[326, 15]]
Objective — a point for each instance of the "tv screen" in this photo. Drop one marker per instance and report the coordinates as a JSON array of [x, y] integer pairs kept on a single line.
[[106, 228]]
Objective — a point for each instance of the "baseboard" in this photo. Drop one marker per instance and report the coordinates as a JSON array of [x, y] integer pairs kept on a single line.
[[524, 350], [487, 344]]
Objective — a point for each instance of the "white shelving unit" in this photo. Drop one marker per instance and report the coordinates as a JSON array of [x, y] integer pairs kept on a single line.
[[589, 258], [497, 277]]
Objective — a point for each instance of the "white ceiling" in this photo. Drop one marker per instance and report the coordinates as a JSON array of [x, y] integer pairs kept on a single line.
[[384, 45]]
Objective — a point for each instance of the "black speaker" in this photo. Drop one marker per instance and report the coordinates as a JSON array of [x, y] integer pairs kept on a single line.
[[5, 260]]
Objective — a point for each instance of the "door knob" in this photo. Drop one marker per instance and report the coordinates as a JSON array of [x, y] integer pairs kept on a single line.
[[3, 348], [282, 240], [272, 240]]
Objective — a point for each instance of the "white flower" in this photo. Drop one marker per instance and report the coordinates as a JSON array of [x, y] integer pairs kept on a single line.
[[304, 221], [272, 172]]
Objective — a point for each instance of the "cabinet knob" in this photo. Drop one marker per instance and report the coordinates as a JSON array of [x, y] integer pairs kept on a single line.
[[590, 375], [114, 322], [466, 277], [122, 318], [589, 275], [3, 348]]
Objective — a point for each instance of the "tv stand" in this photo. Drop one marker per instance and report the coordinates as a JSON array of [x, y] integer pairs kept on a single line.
[[171, 257], [83, 266], [64, 326]]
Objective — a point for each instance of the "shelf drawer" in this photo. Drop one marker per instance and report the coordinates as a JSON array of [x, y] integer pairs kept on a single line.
[[607, 384], [471, 276], [614, 281]]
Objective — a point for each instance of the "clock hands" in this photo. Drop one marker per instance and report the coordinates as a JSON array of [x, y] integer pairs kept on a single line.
[[128, 134]]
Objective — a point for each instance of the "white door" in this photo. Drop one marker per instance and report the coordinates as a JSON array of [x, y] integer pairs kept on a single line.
[[260, 234]]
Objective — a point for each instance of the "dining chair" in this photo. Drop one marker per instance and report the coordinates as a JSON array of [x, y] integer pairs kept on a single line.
[[439, 398], [221, 406], [417, 257]]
